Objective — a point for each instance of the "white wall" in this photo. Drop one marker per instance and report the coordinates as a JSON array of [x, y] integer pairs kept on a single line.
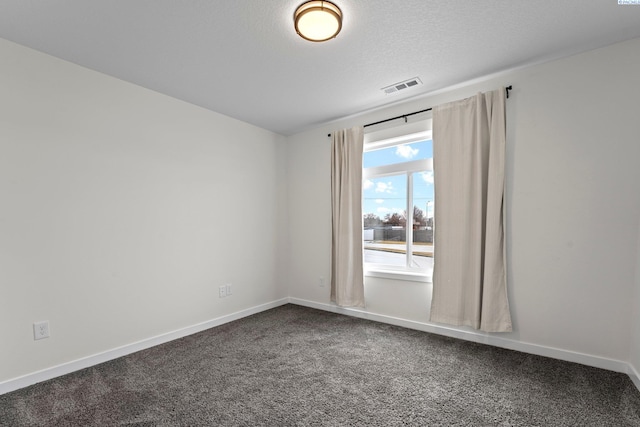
[[572, 206], [635, 339], [123, 210]]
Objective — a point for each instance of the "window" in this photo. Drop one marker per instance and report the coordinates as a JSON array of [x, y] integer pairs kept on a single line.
[[398, 179]]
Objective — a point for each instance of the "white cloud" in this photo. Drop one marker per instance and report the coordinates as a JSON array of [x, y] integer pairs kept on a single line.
[[406, 151], [427, 176], [384, 187], [367, 184]]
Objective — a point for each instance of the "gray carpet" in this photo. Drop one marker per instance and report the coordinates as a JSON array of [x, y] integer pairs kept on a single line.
[[295, 366]]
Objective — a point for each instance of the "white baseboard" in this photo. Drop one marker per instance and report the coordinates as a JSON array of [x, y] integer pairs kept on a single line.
[[635, 377], [66, 368], [555, 353], [85, 362]]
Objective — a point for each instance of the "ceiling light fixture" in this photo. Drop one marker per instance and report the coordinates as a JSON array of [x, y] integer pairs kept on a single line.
[[318, 21]]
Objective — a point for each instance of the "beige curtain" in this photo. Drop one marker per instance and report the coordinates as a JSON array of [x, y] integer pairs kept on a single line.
[[469, 277], [347, 281]]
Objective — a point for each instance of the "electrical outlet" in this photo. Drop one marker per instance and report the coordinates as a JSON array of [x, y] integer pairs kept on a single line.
[[229, 292], [41, 330], [222, 291]]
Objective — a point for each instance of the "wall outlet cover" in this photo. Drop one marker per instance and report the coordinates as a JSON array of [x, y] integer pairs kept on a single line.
[[41, 330]]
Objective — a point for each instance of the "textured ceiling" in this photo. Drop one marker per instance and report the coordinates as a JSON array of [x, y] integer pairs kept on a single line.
[[243, 59]]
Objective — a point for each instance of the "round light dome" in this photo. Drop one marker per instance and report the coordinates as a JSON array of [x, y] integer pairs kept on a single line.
[[318, 21]]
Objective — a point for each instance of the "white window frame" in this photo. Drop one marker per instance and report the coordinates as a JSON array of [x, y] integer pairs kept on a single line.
[[390, 138]]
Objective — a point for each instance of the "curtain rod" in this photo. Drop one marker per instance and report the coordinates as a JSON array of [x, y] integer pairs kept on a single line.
[[404, 116]]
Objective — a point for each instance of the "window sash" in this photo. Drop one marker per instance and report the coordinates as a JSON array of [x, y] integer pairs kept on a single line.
[[407, 169], [423, 165]]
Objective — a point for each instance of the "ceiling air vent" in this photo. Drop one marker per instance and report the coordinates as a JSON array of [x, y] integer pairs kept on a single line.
[[402, 85]]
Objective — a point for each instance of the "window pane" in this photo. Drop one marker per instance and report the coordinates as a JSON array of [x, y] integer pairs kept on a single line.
[[384, 220], [398, 154], [422, 220]]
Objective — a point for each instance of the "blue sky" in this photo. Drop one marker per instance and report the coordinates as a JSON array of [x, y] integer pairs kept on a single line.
[[387, 194]]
